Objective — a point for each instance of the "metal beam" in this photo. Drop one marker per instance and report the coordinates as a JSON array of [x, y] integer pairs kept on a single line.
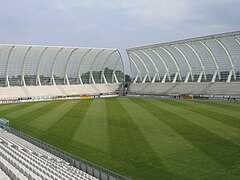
[[188, 64], [230, 60], [104, 66], [214, 60], [66, 65], [176, 64], [191, 40], [91, 67], [145, 66], [38, 81], [114, 70], [154, 65], [165, 66], [22, 69], [80, 65], [53, 65], [200, 61], [138, 71], [7, 64]]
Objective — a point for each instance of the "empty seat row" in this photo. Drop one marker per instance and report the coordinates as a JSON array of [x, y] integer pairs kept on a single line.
[[59, 90], [208, 88], [23, 160]]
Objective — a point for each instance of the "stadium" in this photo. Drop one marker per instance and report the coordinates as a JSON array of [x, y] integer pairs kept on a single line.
[[71, 113]]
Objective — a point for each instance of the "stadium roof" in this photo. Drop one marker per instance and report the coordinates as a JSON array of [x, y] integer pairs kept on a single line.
[[23, 65], [209, 58]]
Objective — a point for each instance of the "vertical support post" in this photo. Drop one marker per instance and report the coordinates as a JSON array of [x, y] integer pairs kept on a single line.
[[175, 77], [230, 76], [200, 77], [164, 78], [214, 76], [7, 65]]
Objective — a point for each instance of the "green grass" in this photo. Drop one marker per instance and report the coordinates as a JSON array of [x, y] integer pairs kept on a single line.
[[140, 138]]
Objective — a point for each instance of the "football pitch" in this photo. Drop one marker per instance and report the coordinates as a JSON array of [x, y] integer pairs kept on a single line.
[[140, 138]]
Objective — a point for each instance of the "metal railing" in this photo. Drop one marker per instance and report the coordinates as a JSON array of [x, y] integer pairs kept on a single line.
[[82, 164]]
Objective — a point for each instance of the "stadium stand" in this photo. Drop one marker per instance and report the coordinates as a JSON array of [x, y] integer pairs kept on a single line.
[[58, 90], [208, 65], [22, 160], [32, 71], [207, 88]]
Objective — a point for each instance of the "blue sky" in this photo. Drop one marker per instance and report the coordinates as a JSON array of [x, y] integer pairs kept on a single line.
[[113, 23]]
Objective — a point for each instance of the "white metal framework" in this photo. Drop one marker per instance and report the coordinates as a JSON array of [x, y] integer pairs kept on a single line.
[[209, 58], [23, 65]]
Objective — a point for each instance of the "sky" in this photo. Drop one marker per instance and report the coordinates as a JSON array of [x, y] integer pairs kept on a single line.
[[117, 24]]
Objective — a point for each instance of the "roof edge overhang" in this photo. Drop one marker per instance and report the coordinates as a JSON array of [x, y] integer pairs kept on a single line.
[[188, 40], [70, 47]]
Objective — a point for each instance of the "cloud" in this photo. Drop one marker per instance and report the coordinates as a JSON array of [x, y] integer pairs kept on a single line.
[[156, 12], [113, 23]]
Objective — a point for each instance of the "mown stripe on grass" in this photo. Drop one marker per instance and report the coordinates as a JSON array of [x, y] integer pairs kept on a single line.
[[25, 110], [4, 107], [228, 113], [30, 116], [15, 108], [126, 138], [221, 150], [187, 111], [93, 128], [232, 106], [220, 115], [66, 126], [50, 117], [177, 154]]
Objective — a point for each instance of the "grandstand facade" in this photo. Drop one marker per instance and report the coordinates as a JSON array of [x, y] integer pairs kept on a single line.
[[49, 71], [198, 65]]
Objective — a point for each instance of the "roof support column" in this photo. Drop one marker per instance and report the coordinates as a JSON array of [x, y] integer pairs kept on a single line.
[[175, 77], [144, 79], [217, 72], [66, 79], [114, 76], [24, 59], [104, 66], [135, 80], [188, 64], [154, 78], [79, 67], [104, 78], [176, 64], [230, 60], [92, 79], [52, 80], [66, 65], [214, 76], [38, 81], [203, 73], [200, 77], [23, 83], [138, 72], [6, 73], [154, 65], [80, 79], [94, 59], [187, 77], [165, 66], [230, 76], [164, 78], [145, 66]]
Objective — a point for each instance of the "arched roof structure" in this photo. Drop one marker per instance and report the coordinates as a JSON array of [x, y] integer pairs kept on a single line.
[[27, 65], [209, 58]]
